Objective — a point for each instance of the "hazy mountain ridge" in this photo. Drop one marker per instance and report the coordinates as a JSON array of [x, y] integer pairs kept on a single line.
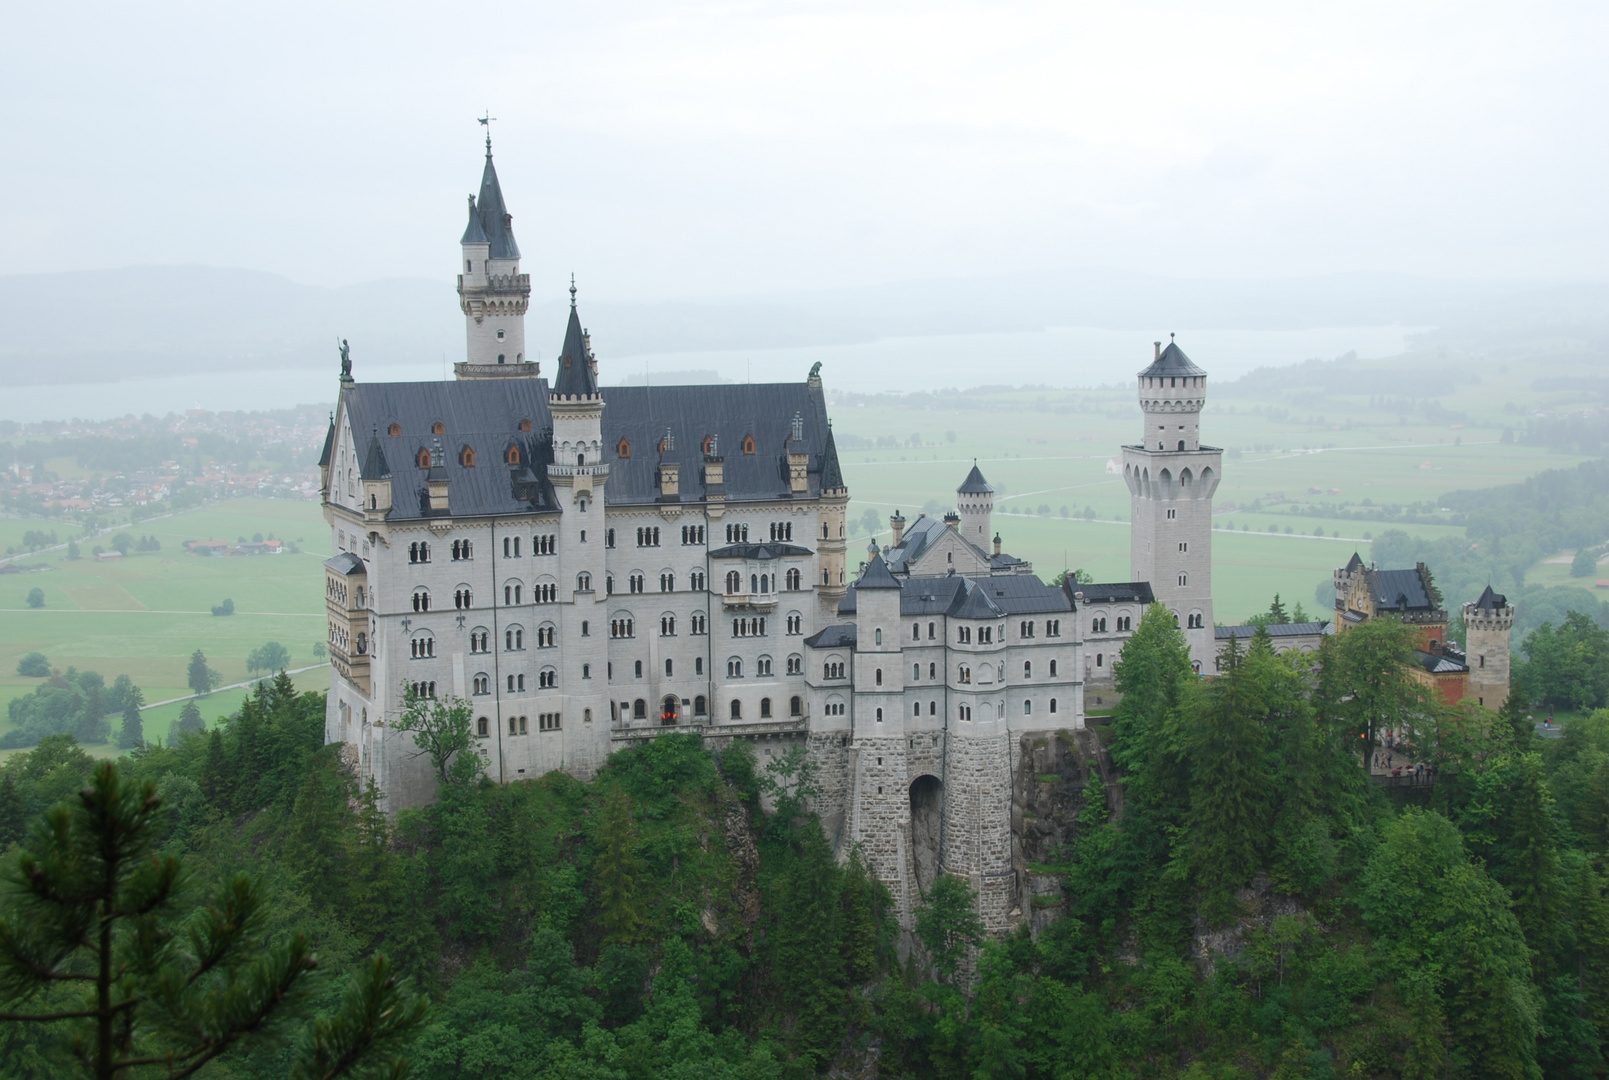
[[145, 321]]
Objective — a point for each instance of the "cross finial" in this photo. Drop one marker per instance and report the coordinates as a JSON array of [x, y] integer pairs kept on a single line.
[[486, 122], [572, 292]]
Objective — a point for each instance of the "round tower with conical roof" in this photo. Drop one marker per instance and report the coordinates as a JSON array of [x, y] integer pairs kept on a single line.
[[1171, 478], [975, 500]]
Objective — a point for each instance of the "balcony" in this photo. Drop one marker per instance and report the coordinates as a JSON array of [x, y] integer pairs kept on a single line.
[[749, 601], [557, 471]]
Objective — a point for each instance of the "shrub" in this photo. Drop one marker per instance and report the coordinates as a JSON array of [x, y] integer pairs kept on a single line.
[[225, 608]]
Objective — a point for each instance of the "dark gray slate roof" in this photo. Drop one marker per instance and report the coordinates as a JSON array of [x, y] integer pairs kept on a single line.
[[1437, 665], [1117, 592], [1401, 590], [975, 484], [832, 477], [732, 412], [758, 551], [482, 414], [962, 597], [575, 365], [473, 233], [876, 576], [916, 539], [1171, 362], [841, 636], [346, 564], [375, 466], [1354, 564], [1491, 601], [1275, 630], [495, 222], [329, 445]]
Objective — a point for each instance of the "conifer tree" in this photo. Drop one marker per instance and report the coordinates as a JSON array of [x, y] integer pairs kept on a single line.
[[617, 870], [1230, 811], [1530, 863], [96, 936], [133, 733], [200, 677], [947, 923]]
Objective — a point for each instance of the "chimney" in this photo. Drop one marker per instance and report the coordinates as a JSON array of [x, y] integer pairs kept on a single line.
[[997, 543], [897, 523], [952, 520], [1158, 354]]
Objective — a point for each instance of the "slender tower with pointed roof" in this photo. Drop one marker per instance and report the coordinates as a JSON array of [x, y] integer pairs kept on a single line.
[[975, 500], [492, 292], [1171, 477]]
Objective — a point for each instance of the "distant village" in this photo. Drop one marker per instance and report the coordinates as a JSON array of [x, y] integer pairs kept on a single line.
[[136, 467]]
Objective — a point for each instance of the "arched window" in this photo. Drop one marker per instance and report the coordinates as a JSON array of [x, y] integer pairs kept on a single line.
[[583, 582], [1100, 660], [700, 707], [916, 709], [623, 450], [482, 727], [394, 429], [639, 709], [932, 708], [438, 428], [1052, 704], [765, 708], [734, 582], [1027, 708], [736, 710], [1181, 444], [483, 684], [748, 444], [512, 454], [525, 424], [424, 458], [795, 708], [466, 457], [734, 668], [1184, 579], [1053, 669], [794, 580], [879, 716]]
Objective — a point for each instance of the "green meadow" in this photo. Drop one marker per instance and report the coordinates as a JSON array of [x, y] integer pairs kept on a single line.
[[145, 614]]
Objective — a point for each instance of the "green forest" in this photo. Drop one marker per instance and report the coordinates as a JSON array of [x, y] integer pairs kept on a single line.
[[1240, 899]]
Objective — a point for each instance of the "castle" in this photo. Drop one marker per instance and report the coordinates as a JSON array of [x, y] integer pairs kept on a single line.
[[589, 567]]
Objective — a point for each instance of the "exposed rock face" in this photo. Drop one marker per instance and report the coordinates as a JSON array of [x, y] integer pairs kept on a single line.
[[1053, 773]]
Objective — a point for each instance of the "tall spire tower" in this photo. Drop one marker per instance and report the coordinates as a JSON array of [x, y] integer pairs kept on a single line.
[[1171, 477], [491, 290]]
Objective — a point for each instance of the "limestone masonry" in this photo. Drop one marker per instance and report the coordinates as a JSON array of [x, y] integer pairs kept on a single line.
[[588, 567]]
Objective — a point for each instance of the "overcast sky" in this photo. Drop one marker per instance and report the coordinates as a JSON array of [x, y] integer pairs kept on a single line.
[[666, 149]]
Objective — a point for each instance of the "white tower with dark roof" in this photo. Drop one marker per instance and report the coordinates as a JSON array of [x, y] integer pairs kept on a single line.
[[975, 500], [1171, 478], [492, 292]]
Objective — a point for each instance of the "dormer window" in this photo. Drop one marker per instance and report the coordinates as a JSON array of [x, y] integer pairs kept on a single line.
[[466, 457], [525, 425], [624, 449], [394, 429], [748, 444], [709, 445], [424, 459], [438, 428], [513, 454]]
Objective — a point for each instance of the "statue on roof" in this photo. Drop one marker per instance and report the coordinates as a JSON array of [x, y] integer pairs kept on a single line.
[[346, 360], [815, 370]]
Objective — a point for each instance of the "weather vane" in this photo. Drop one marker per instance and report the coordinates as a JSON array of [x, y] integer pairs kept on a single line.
[[486, 122]]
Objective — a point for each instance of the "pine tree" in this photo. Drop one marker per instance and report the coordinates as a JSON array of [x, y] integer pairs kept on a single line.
[[133, 733], [1530, 867], [200, 677], [1230, 811], [618, 871], [217, 781], [102, 941]]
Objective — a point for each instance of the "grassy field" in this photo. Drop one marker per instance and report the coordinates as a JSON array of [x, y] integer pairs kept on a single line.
[[144, 615], [1047, 453]]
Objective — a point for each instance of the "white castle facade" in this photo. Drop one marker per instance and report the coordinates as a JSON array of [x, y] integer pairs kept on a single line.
[[588, 567]]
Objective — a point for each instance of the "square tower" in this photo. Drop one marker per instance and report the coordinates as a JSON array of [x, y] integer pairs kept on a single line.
[[1171, 477], [1488, 623]]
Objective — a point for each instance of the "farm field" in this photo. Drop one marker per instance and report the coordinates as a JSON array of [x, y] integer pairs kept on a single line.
[[144, 615]]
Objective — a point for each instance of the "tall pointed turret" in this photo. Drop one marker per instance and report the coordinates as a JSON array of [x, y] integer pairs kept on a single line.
[[575, 376], [975, 500], [491, 290]]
